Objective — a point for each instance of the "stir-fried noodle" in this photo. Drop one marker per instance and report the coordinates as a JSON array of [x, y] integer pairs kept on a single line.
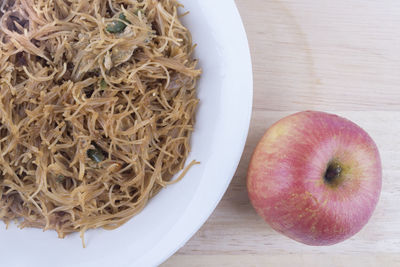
[[97, 104]]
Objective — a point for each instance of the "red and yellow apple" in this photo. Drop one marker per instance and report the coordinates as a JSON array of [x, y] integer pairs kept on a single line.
[[315, 177]]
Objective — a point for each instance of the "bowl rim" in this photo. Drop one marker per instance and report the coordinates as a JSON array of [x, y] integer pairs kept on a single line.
[[190, 222]]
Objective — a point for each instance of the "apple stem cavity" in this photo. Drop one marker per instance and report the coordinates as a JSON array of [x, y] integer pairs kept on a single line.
[[333, 174]]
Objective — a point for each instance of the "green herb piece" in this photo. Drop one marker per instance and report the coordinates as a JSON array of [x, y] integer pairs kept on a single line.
[[60, 178], [118, 26], [96, 155], [103, 84]]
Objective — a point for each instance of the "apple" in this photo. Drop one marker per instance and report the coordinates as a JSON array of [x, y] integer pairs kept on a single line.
[[315, 177]]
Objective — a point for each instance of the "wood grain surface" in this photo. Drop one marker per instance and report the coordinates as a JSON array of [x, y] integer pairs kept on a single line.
[[339, 56]]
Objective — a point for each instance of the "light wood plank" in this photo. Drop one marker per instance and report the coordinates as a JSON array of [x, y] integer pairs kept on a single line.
[[336, 55], [284, 260]]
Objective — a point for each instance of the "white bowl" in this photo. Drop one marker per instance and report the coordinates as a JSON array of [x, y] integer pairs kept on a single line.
[[174, 215]]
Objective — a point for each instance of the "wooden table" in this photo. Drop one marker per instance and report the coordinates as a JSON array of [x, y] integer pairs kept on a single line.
[[339, 56]]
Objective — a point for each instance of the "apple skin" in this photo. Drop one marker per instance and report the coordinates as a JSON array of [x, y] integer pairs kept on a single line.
[[288, 181]]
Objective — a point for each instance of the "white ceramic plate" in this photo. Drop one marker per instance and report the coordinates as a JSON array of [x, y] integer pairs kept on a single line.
[[175, 214]]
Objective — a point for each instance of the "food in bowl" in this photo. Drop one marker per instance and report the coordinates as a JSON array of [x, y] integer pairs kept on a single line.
[[97, 107]]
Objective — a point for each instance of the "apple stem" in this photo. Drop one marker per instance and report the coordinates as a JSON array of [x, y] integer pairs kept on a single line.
[[333, 172]]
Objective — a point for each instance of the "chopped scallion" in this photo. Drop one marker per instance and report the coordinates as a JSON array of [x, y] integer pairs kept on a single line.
[[96, 155], [118, 26], [103, 84]]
